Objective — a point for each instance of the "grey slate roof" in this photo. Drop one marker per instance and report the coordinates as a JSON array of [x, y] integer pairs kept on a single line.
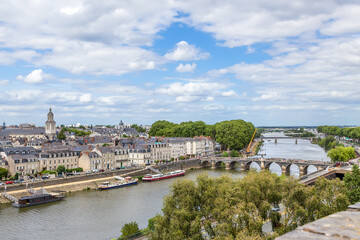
[[18, 131]]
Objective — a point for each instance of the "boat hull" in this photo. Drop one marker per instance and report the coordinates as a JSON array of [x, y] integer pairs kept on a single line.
[[36, 203], [163, 177], [117, 186]]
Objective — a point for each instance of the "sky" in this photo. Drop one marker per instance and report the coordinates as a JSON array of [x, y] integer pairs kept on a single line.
[[272, 63]]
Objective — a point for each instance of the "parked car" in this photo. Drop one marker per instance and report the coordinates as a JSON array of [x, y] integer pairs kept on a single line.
[[87, 172], [76, 173], [113, 169], [45, 177], [96, 170], [2, 184], [9, 182], [17, 181], [101, 170]]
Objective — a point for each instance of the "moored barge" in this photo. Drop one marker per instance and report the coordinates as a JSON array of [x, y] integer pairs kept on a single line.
[[38, 197], [125, 182], [156, 177]]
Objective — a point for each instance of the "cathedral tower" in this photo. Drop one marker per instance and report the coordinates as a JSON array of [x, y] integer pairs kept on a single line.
[[50, 126]]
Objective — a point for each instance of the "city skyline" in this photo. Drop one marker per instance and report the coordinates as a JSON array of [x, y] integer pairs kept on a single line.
[[278, 63]]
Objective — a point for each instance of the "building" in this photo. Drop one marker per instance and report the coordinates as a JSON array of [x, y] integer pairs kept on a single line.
[[159, 152], [89, 161], [50, 126], [107, 157], [140, 155], [23, 164], [51, 159]]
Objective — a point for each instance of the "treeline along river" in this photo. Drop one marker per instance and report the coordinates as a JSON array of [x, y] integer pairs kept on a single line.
[[101, 214]]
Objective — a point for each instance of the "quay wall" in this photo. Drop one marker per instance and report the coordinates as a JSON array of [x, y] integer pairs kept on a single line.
[[79, 183]]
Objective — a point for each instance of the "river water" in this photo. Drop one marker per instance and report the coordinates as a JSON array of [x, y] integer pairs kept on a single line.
[[101, 214]]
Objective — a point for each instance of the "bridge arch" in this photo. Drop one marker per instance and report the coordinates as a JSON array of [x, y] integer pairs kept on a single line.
[[271, 165], [288, 169], [248, 165], [232, 164], [206, 164]]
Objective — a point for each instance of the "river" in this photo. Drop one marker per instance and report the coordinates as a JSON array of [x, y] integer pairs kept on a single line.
[[101, 214]]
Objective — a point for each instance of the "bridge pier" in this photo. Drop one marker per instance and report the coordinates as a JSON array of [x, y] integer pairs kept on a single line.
[[283, 170], [303, 170], [295, 140], [275, 140], [242, 166], [213, 165], [227, 166], [262, 165]]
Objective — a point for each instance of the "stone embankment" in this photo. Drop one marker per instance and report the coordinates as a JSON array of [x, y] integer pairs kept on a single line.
[[90, 181], [340, 225]]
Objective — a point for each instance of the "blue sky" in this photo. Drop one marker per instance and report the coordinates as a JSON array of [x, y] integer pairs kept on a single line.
[[271, 63]]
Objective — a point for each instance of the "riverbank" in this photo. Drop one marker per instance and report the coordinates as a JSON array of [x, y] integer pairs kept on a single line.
[[91, 184]]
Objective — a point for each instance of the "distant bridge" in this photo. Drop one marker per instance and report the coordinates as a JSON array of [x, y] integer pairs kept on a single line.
[[264, 163], [276, 138]]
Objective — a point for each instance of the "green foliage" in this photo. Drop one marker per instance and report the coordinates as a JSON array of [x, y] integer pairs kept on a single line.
[[239, 207], [328, 143], [151, 223], [48, 172], [138, 128], [61, 135], [341, 154], [77, 132], [225, 154], [75, 170], [258, 147], [129, 229], [234, 134], [352, 183], [343, 132], [181, 157], [234, 153], [61, 169], [16, 177], [3, 172], [105, 145]]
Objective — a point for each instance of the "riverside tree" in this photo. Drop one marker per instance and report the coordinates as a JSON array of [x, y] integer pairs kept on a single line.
[[61, 169], [234, 134], [129, 229], [341, 154], [227, 208], [352, 182], [3, 172]]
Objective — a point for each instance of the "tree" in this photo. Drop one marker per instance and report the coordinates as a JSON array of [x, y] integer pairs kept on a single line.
[[225, 154], [234, 153], [239, 207], [3, 172], [129, 229], [341, 154], [61, 135], [352, 183], [105, 145], [16, 176], [61, 169], [151, 223]]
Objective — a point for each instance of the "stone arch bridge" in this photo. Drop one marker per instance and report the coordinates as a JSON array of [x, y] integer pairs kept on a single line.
[[264, 163]]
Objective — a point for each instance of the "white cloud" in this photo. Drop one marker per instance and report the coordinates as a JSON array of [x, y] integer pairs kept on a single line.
[[186, 52], [85, 98], [36, 76], [214, 106], [186, 68], [230, 93], [4, 82]]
